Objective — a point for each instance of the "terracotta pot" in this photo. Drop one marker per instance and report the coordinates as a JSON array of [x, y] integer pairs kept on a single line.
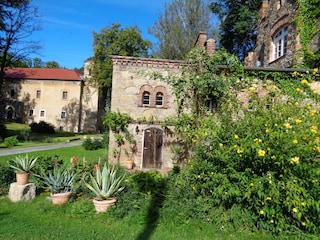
[[130, 164], [60, 198], [22, 178], [103, 205]]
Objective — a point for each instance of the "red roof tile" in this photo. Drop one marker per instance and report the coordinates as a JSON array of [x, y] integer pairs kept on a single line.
[[43, 73]]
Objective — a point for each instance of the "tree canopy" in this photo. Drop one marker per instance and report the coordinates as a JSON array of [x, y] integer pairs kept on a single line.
[[18, 20], [239, 20], [114, 40], [178, 26]]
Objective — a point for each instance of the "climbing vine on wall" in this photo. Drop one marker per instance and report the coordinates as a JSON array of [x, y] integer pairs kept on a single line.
[[308, 24]]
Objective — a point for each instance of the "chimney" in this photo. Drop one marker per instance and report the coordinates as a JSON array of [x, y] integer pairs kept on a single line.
[[249, 59], [263, 9], [201, 39], [211, 46]]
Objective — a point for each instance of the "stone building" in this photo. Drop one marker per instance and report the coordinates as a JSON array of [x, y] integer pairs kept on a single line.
[[149, 101], [56, 96], [278, 40]]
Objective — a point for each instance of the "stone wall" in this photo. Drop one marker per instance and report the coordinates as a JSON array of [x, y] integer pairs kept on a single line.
[[132, 77], [274, 15]]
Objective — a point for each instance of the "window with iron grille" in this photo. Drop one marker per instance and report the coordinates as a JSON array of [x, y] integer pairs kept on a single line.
[[159, 99], [146, 99], [42, 113]]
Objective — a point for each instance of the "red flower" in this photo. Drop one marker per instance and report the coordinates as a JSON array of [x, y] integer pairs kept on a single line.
[[96, 166], [74, 159]]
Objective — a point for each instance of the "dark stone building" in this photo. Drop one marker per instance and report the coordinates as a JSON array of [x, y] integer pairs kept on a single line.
[[278, 38]]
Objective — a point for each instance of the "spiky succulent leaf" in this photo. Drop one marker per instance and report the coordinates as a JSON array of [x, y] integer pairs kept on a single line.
[[23, 164], [59, 180], [105, 184]]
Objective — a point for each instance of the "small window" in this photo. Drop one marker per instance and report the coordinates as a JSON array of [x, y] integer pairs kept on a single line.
[[159, 99], [42, 113], [63, 115], [146, 99], [38, 93], [87, 97], [64, 95], [12, 93], [31, 113], [280, 42]]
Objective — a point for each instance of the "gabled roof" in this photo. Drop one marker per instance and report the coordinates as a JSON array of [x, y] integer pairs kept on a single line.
[[42, 74]]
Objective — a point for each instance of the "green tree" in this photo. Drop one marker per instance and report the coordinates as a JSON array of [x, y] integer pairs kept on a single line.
[[239, 19], [178, 26], [80, 70], [18, 20], [52, 64], [35, 63], [114, 40]]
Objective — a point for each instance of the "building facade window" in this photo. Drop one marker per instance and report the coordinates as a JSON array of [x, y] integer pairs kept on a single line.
[[42, 113], [280, 42], [31, 113], [38, 93], [87, 97], [63, 115], [153, 97], [146, 99], [12, 93], [64, 95], [159, 99]]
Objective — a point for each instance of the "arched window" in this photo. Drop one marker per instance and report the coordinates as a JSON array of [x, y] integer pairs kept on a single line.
[[280, 42], [159, 99], [146, 99]]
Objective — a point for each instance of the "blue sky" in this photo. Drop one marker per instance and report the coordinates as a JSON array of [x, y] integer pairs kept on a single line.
[[67, 25]]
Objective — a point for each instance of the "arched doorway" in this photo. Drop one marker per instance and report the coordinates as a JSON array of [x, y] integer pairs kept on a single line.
[[152, 148], [10, 113]]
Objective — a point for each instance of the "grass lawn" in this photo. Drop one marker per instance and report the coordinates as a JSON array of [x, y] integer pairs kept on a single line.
[[65, 154], [35, 139], [39, 219]]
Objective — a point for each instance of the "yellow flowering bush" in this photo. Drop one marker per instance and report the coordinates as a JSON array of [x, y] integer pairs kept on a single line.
[[266, 163], [265, 158]]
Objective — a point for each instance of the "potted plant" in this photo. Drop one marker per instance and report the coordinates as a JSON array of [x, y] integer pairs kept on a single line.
[[22, 166], [105, 184], [60, 183], [130, 161]]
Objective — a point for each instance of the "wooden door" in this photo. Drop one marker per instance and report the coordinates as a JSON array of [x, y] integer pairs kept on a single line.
[[152, 148]]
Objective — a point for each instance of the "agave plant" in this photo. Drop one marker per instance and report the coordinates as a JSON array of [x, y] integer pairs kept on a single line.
[[59, 180], [22, 164], [105, 184]]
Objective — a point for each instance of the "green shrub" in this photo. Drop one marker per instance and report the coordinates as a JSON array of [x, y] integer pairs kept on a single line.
[[151, 182], [142, 197], [3, 130], [42, 127], [7, 177], [264, 166], [11, 141], [93, 144], [25, 134], [255, 167]]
